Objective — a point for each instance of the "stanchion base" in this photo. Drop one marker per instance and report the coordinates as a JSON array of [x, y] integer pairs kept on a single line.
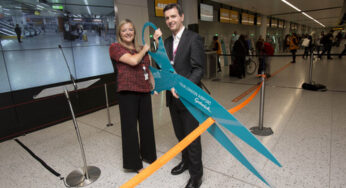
[[314, 87], [77, 177], [265, 131], [109, 124]]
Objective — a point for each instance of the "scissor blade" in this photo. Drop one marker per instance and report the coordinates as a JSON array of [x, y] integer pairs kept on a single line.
[[202, 101], [218, 134]]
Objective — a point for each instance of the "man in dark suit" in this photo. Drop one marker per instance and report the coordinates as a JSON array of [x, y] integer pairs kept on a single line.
[[185, 50]]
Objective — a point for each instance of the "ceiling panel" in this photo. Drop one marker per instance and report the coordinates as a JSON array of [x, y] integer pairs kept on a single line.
[[315, 4], [83, 2], [75, 9], [325, 13], [97, 7], [274, 7], [265, 7]]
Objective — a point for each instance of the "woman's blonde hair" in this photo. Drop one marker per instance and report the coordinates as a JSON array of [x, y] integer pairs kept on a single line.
[[119, 30]]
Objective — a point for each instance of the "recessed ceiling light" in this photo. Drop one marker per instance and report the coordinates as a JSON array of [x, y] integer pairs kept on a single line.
[[39, 7]]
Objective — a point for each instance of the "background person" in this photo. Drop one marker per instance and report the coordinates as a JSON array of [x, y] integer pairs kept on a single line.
[[327, 42], [293, 45], [261, 54], [307, 48], [217, 48], [18, 31], [240, 51], [343, 43]]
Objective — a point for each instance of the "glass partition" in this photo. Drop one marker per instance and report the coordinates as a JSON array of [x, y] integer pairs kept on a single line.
[[83, 28], [4, 84]]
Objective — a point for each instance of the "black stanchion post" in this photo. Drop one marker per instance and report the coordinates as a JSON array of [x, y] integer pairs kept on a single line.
[[88, 174], [311, 85], [107, 104], [260, 130]]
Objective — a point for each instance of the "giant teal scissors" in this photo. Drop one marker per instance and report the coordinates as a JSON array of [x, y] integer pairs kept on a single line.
[[202, 106]]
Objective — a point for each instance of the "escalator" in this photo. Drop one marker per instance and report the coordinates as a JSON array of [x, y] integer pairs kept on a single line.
[[6, 29], [5, 24], [6, 32]]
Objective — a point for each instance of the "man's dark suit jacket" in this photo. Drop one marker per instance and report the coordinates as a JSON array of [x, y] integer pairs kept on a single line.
[[190, 57]]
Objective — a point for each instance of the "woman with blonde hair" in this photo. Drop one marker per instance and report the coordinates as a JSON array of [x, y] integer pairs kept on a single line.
[[134, 83]]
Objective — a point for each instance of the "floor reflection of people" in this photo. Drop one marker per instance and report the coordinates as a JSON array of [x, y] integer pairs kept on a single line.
[[134, 83]]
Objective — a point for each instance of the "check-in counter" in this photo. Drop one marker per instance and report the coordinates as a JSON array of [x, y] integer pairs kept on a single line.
[[211, 65]]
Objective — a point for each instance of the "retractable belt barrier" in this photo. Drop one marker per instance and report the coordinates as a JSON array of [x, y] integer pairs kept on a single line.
[[278, 55], [208, 112]]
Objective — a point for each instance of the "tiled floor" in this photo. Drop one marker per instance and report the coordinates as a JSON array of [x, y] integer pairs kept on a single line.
[[309, 138]]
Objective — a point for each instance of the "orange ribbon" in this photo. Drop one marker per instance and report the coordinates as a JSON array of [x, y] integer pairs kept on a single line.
[[181, 146]]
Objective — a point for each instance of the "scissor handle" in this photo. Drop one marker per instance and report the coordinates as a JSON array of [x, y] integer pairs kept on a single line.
[[160, 56], [144, 27]]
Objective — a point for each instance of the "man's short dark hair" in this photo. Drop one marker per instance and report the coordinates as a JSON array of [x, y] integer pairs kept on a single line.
[[174, 5]]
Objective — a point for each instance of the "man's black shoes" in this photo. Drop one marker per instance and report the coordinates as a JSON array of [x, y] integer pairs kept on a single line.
[[194, 183], [180, 168]]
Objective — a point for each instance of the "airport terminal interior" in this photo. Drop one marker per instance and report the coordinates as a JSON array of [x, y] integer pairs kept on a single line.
[[65, 41]]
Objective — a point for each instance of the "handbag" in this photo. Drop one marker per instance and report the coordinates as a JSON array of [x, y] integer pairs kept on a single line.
[[306, 42]]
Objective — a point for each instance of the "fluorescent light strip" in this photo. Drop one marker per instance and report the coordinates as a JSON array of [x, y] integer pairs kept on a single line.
[[88, 9], [289, 4], [7, 30], [313, 19], [305, 14]]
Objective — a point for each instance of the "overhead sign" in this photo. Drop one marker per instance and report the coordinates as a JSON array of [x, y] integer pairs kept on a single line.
[[251, 19], [206, 12], [234, 17], [259, 20], [58, 7], [247, 19], [274, 23], [160, 5], [337, 28], [224, 15], [281, 24]]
